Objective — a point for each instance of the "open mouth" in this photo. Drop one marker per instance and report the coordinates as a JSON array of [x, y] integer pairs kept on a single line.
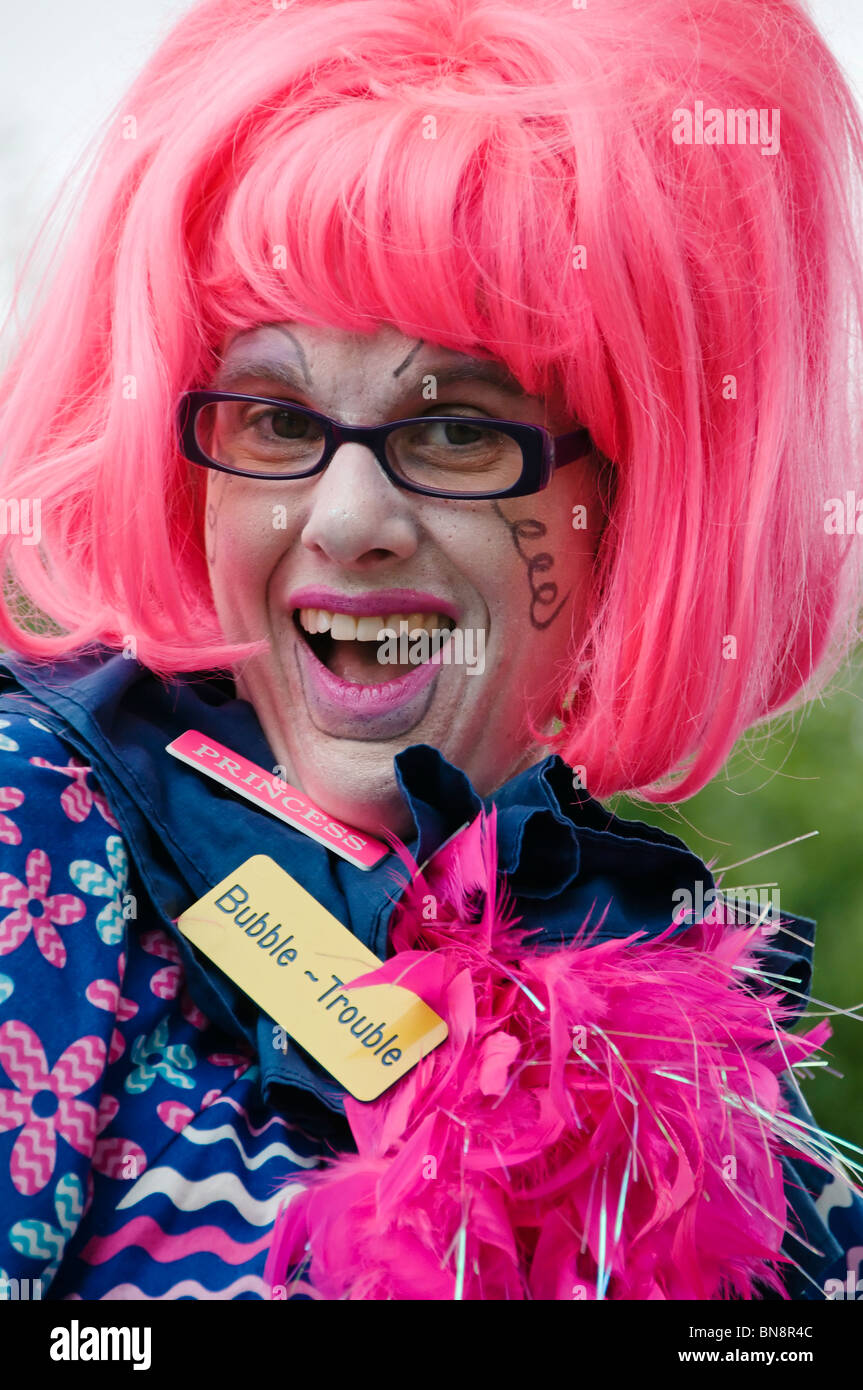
[[353, 646]]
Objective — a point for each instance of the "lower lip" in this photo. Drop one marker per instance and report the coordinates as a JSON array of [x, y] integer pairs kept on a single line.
[[348, 709]]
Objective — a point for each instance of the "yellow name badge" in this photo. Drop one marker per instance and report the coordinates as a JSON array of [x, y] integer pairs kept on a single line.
[[296, 960]]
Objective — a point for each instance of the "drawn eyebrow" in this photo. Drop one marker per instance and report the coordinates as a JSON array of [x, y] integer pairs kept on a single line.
[[298, 348], [494, 373], [410, 357], [274, 369]]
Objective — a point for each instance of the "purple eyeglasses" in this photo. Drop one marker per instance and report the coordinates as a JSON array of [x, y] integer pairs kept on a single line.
[[436, 455]]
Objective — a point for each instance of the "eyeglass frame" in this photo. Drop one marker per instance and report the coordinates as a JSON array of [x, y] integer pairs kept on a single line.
[[542, 453]]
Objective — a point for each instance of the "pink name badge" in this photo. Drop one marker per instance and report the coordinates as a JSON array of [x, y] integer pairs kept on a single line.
[[271, 794]]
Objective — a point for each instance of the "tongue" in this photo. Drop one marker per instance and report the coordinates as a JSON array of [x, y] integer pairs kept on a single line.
[[358, 662]]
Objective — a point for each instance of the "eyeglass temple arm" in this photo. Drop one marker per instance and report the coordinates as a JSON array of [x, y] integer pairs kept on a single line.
[[568, 447]]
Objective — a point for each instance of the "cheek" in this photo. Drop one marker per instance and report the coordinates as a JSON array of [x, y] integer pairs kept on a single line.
[[544, 567], [246, 535], [544, 588]]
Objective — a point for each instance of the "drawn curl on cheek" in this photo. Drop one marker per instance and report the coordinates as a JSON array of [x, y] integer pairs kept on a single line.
[[214, 501], [543, 593]]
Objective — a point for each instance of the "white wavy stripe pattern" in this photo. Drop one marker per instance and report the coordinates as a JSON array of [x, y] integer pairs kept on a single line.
[[274, 1150], [192, 1195], [257, 1130], [186, 1288]]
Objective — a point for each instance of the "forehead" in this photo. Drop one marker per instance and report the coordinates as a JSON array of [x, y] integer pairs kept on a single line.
[[282, 350]]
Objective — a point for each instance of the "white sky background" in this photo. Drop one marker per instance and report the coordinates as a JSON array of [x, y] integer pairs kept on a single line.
[[63, 66]]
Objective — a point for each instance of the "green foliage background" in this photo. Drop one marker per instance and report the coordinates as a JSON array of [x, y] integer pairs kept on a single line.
[[804, 774]]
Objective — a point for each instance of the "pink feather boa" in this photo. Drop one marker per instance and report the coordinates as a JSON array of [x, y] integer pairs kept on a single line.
[[622, 1141]]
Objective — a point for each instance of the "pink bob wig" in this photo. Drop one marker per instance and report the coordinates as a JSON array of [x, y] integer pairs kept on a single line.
[[504, 178]]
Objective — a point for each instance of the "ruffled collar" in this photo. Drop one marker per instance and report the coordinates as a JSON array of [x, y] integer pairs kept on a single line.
[[566, 858]]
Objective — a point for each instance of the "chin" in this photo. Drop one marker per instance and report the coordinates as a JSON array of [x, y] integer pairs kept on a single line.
[[361, 792]]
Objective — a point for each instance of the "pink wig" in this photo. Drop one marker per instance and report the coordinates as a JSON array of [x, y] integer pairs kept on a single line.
[[436, 166]]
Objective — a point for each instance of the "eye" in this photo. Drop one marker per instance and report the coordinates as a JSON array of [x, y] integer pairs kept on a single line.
[[469, 452], [260, 436], [279, 422], [447, 433]]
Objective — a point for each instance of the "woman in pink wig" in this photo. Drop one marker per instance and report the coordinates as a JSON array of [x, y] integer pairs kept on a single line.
[[430, 413]]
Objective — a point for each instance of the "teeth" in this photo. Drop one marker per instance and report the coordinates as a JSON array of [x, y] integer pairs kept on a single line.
[[343, 627]]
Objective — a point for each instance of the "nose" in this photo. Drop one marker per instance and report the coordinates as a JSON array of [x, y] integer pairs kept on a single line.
[[357, 518]]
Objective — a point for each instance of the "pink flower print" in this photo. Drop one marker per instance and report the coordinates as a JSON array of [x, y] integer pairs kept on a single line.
[[33, 909], [79, 799], [174, 1115], [190, 1011], [10, 797], [116, 1157], [108, 1107], [167, 982], [231, 1059], [46, 1103], [105, 994]]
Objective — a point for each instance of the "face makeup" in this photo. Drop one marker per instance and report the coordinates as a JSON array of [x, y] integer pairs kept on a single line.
[[323, 565]]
